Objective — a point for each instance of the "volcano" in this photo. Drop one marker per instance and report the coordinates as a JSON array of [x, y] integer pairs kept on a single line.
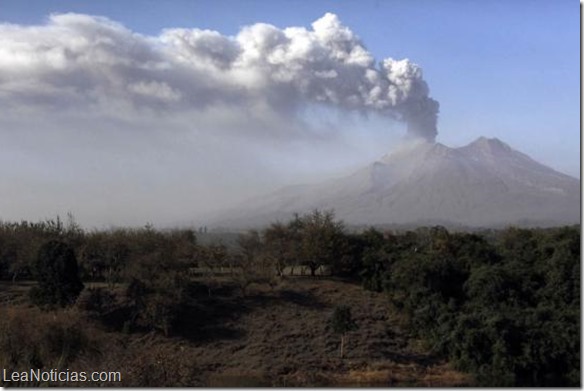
[[483, 184]]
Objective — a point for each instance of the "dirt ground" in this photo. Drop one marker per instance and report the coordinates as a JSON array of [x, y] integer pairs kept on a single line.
[[278, 336]]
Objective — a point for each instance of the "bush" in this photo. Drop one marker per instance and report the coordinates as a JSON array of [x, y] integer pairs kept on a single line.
[[96, 300], [33, 339], [342, 322], [156, 291]]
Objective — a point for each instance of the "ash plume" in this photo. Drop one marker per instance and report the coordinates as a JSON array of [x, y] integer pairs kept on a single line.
[[78, 62]]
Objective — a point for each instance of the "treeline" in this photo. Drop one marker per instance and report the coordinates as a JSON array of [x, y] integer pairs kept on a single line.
[[148, 273], [503, 306], [106, 256], [118, 255]]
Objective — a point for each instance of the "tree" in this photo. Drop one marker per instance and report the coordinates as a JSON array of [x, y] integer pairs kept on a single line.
[[105, 255], [322, 239], [342, 322], [57, 274], [251, 245], [209, 259], [256, 265], [280, 246], [375, 260], [156, 289]]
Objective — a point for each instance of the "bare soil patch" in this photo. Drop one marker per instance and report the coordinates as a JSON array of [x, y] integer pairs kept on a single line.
[[281, 336]]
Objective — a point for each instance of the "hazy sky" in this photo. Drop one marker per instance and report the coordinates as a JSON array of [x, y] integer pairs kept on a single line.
[[136, 111]]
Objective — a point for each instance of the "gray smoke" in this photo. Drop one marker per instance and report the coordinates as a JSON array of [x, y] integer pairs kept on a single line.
[[85, 62]]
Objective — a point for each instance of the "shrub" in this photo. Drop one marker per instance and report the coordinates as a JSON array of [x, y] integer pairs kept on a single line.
[[96, 300], [342, 322], [30, 338], [156, 291]]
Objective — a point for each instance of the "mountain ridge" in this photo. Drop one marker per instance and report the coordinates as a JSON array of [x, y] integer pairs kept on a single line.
[[484, 183]]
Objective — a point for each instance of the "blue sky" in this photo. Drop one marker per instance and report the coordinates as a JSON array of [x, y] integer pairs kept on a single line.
[[499, 68]]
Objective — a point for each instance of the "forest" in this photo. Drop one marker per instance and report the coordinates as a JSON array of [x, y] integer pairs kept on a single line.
[[425, 306]]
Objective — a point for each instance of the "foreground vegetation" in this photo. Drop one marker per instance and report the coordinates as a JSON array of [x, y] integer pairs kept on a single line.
[[410, 308]]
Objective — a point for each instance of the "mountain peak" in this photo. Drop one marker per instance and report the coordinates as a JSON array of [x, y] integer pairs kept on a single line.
[[492, 146], [415, 147], [441, 149]]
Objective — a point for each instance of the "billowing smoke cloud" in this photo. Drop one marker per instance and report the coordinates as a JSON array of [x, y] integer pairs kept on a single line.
[[84, 62]]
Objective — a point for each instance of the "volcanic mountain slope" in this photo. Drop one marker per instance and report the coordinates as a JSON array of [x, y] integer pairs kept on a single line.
[[486, 183]]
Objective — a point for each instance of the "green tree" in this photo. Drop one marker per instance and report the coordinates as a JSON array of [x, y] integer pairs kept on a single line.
[[156, 281], [322, 239], [57, 274], [342, 322]]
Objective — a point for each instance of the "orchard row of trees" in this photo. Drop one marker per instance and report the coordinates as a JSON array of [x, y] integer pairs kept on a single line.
[[112, 255]]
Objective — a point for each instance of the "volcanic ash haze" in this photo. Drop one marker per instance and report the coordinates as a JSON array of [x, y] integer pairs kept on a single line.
[[122, 128]]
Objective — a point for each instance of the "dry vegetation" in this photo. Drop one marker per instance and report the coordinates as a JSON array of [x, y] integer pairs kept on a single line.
[[272, 336]]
